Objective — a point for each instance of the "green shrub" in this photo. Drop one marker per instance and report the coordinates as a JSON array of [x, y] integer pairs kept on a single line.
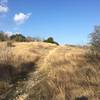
[[18, 37], [51, 40]]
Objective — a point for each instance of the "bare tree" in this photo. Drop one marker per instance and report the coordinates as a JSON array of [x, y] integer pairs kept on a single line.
[[95, 40]]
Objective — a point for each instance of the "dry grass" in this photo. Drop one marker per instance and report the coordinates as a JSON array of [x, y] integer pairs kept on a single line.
[[68, 75], [62, 73]]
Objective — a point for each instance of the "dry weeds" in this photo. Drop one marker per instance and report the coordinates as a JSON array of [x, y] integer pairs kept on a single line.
[[62, 73]]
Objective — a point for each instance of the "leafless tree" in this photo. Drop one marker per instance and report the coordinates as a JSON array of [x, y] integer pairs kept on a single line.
[[95, 40]]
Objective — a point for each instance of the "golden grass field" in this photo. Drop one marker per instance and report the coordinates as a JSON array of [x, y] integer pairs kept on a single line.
[[58, 72]]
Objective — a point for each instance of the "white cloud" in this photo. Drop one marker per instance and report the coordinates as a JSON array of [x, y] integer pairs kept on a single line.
[[3, 6], [20, 18], [3, 9]]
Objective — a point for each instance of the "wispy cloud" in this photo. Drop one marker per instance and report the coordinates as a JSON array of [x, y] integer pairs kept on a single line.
[[20, 18], [3, 6]]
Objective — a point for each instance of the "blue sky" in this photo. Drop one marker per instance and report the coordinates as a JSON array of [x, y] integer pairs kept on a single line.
[[68, 21]]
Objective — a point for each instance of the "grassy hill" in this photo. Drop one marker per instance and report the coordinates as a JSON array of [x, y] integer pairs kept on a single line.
[[43, 71]]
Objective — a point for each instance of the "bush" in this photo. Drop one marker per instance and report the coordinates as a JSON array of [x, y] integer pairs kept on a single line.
[[51, 40], [3, 36], [18, 37]]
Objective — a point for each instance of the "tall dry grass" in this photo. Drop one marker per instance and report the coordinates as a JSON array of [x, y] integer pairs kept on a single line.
[[63, 73], [14, 68], [68, 74]]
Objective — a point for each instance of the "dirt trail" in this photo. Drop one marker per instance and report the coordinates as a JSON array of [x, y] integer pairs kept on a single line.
[[55, 55], [35, 77]]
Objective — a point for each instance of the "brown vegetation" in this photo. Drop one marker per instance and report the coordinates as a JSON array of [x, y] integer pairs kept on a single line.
[[61, 72]]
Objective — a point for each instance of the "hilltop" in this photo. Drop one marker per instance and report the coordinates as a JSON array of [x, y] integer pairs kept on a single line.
[[50, 72]]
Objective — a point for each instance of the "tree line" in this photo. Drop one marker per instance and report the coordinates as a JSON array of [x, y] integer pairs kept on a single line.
[[94, 39], [21, 38]]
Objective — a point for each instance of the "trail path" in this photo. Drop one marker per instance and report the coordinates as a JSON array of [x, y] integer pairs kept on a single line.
[[48, 54], [35, 77]]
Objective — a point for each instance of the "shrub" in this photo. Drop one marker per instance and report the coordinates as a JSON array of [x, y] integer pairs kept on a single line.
[[3, 36], [18, 37], [51, 40]]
